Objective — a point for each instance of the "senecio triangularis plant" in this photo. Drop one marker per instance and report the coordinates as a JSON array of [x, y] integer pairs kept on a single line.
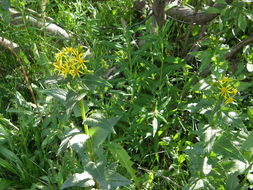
[[71, 61], [227, 90]]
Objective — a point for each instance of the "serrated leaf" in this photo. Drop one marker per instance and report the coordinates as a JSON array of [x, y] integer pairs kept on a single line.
[[242, 22], [98, 135], [119, 153], [74, 139], [97, 171], [79, 180], [116, 180], [72, 99], [96, 120], [57, 93]]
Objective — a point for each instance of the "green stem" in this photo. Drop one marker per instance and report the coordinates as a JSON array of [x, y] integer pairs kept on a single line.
[[86, 130]]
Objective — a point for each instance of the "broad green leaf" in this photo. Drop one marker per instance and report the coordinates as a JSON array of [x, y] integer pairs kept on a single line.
[[205, 58], [116, 180], [248, 144], [97, 120], [119, 153], [210, 137], [97, 171], [224, 147], [213, 10], [72, 99], [79, 180], [57, 93], [232, 182], [243, 86], [98, 135], [93, 81], [74, 139], [242, 22]]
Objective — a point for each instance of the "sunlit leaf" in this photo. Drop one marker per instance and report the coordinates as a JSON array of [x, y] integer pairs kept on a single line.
[[242, 22], [79, 180], [119, 153]]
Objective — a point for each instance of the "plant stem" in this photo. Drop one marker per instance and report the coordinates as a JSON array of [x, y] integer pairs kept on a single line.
[[86, 130]]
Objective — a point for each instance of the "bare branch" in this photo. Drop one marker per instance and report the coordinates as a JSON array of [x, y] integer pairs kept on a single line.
[[187, 15], [235, 49], [7, 44], [49, 27]]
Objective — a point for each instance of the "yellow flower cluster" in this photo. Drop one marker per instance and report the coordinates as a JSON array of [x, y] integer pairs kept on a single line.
[[70, 61], [227, 91]]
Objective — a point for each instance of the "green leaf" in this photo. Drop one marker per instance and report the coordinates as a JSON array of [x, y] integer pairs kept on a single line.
[[4, 183], [97, 120], [248, 144], [97, 171], [59, 94], [244, 86], [98, 135], [205, 58], [250, 112], [224, 147], [116, 180], [74, 139], [232, 182], [8, 166], [79, 180], [242, 22], [212, 10], [72, 99], [119, 153], [221, 2]]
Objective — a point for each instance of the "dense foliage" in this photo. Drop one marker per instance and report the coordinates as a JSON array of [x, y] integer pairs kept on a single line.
[[108, 99]]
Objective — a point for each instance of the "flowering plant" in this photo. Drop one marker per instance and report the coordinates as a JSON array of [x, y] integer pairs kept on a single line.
[[71, 61]]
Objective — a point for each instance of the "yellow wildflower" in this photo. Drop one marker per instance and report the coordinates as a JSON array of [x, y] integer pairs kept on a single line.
[[70, 61], [234, 91], [229, 100], [225, 80], [224, 91]]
